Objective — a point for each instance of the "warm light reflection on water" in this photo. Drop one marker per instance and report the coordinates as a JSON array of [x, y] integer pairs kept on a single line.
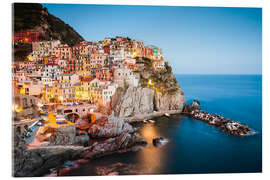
[[151, 157], [195, 146]]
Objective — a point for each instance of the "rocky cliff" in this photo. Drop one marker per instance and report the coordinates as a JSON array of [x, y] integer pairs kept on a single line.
[[112, 135], [158, 91]]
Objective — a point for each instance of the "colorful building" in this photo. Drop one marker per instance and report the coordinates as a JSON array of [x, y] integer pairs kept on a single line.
[[27, 36]]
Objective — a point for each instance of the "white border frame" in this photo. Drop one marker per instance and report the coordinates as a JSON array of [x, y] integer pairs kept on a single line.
[[6, 81]]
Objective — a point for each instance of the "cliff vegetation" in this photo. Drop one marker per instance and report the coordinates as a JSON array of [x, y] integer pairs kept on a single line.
[[158, 91], [161, 80]]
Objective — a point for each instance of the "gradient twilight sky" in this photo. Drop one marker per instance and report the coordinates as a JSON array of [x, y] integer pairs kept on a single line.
[[195, 40]]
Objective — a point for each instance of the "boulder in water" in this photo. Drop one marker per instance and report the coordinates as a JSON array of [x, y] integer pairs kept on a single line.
[[195, 105], [82, 140], [159, 141]]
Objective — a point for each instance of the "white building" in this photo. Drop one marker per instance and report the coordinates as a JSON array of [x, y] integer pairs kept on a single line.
[[108, 92], [117, 55], [124, 76], [52, 71]]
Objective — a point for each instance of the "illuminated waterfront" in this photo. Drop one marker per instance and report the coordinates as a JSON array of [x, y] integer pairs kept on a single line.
[[194, 146]]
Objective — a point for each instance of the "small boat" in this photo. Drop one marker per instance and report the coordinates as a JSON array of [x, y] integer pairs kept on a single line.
[[61, 122], [44, 112], [166, 114], [151, 121], [144, 121]]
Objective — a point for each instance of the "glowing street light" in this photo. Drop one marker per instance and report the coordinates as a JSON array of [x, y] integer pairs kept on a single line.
[[150, 83], [61, 98], [16, 108], [39, 104]]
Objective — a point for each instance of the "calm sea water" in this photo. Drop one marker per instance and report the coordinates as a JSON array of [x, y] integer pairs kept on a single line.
[[194, 146]]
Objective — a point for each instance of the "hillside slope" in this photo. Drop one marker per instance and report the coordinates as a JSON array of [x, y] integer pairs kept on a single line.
[[35, 17]]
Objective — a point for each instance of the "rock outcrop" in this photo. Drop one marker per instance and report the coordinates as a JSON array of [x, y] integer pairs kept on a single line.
[[109, 127], [112, 135], [158, 91], [195, 105], [123, 143], [82, 140], [174, 101], [64, 135], [134, 100], [38, 161], [225, 124], [159, 141]]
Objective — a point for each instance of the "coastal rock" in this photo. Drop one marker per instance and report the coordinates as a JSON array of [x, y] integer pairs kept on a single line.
[[138, 100], [123, 143], [34, 162], [133, 100], [110, 127], [173, 101], [82, 140], [227, 125], [64, 135], [38, 161], [108, 170], [20, 154], [51, 157], [186, 109], [195, 105], [159, 141]]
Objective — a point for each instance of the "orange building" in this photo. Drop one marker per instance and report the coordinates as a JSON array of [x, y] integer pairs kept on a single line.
[[27, 36]]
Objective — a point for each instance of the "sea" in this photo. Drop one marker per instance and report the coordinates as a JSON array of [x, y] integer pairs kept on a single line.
[[195, 146]]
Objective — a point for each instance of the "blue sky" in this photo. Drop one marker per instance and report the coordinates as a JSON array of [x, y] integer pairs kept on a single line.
[[195, 40]]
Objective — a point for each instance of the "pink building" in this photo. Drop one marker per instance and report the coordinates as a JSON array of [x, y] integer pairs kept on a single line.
[[118, 38]]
